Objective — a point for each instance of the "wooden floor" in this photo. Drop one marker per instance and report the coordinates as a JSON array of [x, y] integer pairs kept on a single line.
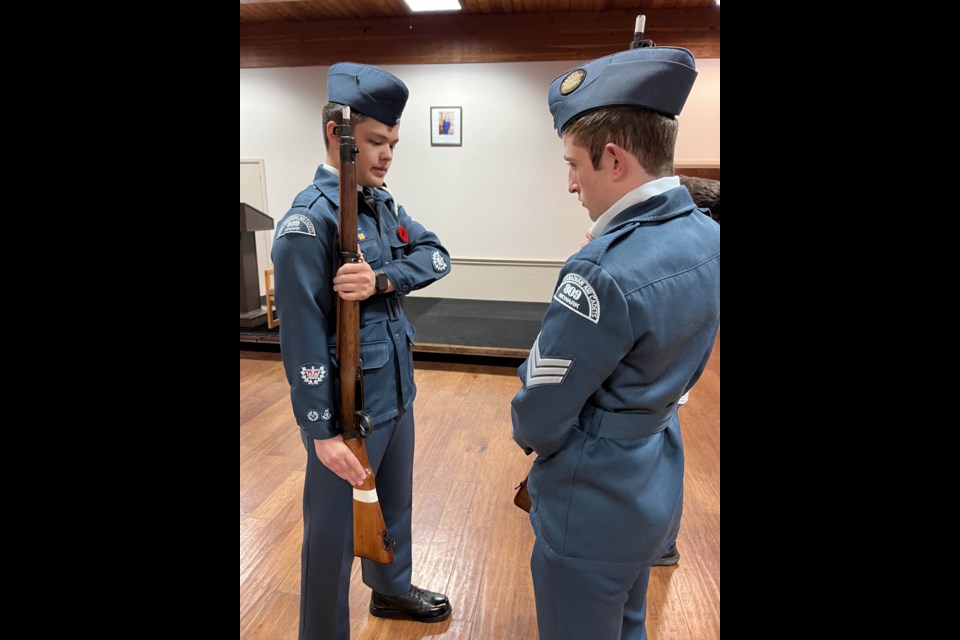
[[469, 541]]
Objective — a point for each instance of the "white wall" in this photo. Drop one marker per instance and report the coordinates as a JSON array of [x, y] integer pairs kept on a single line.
[[499, 201]]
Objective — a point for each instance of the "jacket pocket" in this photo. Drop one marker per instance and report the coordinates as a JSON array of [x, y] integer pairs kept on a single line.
[[398, 247], [373, 354], [379, 379], [370, 248]]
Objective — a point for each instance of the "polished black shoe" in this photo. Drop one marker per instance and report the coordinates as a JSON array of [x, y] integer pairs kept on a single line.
[[418, 604], [670, 558]]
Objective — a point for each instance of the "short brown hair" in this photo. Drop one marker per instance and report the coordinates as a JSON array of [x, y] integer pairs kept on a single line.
[[333, 112], [649, 136], [705, 193]]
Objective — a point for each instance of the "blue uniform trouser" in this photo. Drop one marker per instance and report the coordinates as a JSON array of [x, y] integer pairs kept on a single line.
[[327, 555], [579, 599]]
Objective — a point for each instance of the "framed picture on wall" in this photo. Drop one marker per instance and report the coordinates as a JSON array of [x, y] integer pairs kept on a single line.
[[446, 126]]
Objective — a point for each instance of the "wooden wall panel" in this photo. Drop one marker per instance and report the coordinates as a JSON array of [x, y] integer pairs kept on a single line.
[[460, 38], [711, 173]]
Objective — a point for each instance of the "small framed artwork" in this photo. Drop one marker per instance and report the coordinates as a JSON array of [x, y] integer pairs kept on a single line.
[[446, 126]]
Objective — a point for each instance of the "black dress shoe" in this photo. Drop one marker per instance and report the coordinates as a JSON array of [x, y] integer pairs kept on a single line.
[[670, 558], [418, 604]]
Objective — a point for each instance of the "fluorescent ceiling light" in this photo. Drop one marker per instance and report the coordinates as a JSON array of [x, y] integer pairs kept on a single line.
[[433, 5]]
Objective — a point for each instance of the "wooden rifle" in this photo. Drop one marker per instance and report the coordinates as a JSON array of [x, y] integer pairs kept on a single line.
[[370, 537]]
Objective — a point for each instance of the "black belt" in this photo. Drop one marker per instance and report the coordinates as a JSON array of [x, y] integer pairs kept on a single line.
[[623, 426]]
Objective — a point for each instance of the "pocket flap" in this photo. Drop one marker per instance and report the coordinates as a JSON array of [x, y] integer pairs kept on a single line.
[[373, 354]]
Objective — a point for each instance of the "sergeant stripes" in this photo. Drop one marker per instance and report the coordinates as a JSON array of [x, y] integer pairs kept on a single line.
[[542, 370]]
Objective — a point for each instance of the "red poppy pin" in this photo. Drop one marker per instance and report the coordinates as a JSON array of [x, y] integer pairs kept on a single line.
[[402, 234]]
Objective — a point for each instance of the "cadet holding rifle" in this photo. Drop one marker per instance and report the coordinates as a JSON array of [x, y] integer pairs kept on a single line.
[[397, 256], [629, 330]]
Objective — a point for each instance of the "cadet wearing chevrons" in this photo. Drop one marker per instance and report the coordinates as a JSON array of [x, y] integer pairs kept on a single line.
[[400, 256], [628, 331]]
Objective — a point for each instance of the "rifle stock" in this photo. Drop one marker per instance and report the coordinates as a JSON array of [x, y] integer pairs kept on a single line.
[[370, 537]]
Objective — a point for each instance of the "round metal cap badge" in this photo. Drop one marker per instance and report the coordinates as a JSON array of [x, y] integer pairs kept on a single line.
[[572, 81]]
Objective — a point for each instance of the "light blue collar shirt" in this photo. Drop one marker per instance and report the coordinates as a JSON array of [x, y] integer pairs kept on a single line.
[[334, 171], [636, 196]]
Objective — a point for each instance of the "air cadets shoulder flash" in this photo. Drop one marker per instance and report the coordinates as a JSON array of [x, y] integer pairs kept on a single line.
[[576, 294], [297, 223]]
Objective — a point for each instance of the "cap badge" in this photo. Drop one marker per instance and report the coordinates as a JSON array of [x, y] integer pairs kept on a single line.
[[572, 81]]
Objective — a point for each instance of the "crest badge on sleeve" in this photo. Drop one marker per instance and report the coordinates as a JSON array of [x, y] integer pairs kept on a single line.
[[313, 374], [439, 264]]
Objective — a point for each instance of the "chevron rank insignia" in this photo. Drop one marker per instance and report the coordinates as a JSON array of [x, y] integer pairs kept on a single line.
[[541, 370]]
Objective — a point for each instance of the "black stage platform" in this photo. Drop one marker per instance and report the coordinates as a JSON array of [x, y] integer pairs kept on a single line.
[[455, 327]]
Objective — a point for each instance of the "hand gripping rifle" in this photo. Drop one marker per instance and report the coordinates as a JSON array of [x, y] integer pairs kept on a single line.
[[370, 537]]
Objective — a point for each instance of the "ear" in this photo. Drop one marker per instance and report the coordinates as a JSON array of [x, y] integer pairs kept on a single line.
[[330, 135], [617, 157]]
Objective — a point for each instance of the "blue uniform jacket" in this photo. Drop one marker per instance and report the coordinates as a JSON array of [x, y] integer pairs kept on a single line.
[[629, 329], [305, 258]]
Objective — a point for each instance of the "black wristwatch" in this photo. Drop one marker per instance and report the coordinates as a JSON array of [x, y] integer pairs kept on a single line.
[[382, 282]]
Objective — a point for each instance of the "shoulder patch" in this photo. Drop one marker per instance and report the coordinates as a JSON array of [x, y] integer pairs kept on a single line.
[[576, 294], [297, 223]]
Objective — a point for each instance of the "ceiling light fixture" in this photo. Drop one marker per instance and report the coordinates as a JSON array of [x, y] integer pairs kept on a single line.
[[433, 5]]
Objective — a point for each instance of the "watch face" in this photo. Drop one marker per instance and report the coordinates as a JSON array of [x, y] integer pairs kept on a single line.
[[381, 282]]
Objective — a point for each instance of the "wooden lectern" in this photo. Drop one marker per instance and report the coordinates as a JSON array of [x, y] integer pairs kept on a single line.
[[251, 313]]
